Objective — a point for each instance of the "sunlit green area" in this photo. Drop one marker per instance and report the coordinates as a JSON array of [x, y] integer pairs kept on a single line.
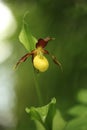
[[66, 21]]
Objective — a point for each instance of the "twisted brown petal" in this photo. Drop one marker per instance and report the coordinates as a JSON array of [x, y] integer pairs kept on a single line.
[[22, 59], [57, 62]]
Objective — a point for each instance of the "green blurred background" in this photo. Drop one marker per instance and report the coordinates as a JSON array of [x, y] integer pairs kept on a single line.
[[67, 22]]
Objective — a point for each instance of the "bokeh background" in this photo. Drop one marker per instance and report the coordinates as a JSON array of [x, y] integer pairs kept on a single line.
[[64, 20]]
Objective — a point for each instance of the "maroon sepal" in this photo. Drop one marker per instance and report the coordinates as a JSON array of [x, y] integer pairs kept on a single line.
[[41, 43]]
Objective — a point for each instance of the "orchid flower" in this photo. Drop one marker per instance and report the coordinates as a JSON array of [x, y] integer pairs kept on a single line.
[[39, 61]]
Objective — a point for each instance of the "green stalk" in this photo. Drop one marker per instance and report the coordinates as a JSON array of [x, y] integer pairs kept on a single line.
[[37, 87]]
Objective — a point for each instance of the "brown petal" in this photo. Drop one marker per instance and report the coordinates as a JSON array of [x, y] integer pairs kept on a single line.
[[57, 62], [23, 59], [45, 51]]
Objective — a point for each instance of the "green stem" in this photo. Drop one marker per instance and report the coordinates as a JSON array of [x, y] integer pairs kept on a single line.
[[38, 89]]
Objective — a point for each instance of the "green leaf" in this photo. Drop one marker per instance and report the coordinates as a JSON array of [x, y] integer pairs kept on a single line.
[[50, 115], [44, 114], [35, 115], [82, 96], [79, 110], [26, 38], [58, 122], [77, 124]]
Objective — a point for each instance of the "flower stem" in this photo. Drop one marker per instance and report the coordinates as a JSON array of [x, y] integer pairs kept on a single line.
[[37, 89]]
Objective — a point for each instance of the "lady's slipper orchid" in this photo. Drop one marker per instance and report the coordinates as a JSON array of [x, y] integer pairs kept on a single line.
[[39, 61]]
